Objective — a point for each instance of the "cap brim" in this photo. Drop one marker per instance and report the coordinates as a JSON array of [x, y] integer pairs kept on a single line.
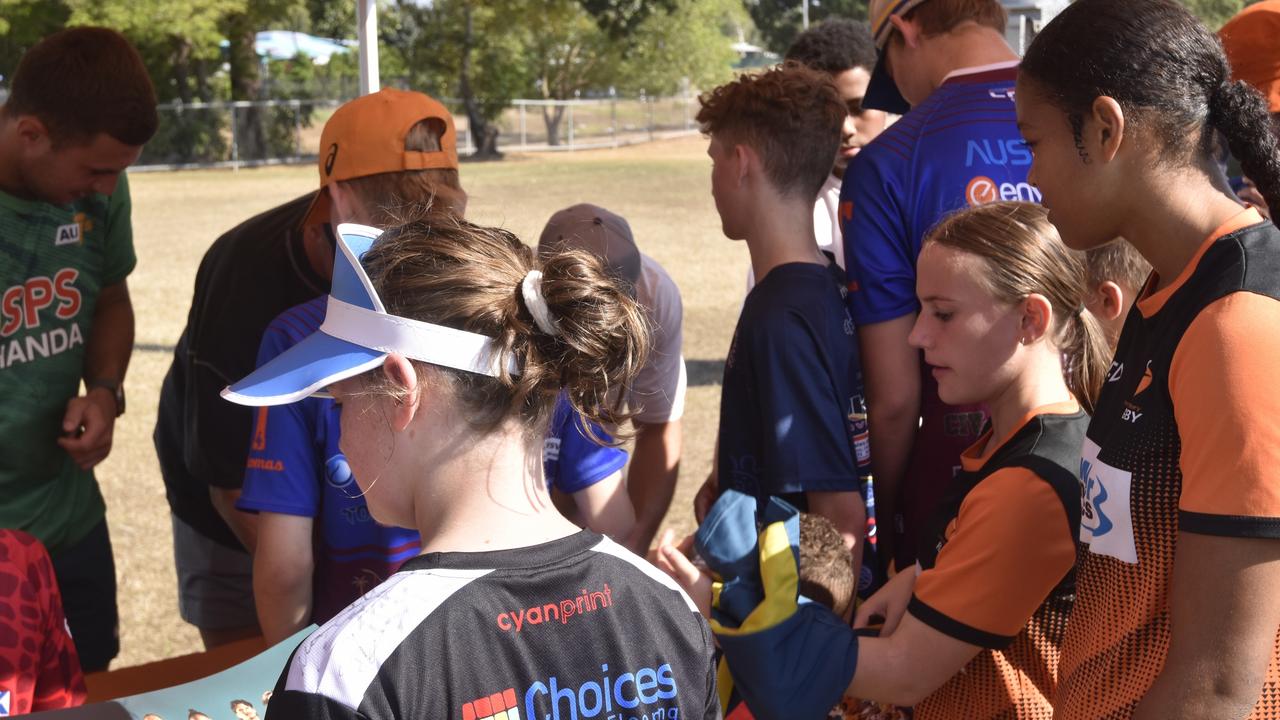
[[303, 370], [882, 91]]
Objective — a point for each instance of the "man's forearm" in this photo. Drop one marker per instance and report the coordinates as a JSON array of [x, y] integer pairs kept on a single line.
[[652, 477], [110, 342]]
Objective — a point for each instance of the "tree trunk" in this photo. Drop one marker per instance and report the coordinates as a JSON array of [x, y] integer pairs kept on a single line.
[[246, 84], [203, 90], [182, 69], [552, 117], [483, 134]]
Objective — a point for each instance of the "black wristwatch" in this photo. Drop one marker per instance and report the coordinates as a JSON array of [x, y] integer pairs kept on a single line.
[[116, 388]]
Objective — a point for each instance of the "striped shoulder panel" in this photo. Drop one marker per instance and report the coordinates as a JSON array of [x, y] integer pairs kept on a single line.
[[340, 659], [609, 547]]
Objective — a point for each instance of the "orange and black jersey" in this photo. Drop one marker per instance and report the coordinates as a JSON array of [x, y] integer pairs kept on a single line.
[[1184, 438], [997, 567]]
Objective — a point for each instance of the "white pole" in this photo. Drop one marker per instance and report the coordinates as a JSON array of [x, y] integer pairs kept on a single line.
[[804, 9], [367, 28]]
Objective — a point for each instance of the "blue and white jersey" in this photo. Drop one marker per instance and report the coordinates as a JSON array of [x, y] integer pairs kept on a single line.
[[573, 461], [959, 147], [295, 468]]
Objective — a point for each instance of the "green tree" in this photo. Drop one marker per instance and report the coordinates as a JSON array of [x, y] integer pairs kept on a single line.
[[619, 18], [780, 21], [465, 49], [22, 24], [687, 47], [1214, 13]]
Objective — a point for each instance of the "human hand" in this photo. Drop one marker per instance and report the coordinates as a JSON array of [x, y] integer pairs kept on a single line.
[[889, 602], [706, 496], [88, 426], [673, 559]]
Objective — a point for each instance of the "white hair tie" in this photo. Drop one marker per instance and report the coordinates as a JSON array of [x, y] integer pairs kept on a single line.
[[531, 289]]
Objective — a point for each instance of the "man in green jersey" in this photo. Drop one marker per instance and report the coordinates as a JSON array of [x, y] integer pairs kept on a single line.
[[80, 107]]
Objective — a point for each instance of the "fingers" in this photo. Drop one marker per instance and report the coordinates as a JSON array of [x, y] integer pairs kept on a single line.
[[88, 432], [684, 572], [73, 418]]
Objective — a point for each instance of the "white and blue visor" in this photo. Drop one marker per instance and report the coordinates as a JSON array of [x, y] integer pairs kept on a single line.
[[357, 335]]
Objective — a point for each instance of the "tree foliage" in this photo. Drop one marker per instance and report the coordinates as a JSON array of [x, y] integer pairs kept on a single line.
[[780, 21], [1215, 13]]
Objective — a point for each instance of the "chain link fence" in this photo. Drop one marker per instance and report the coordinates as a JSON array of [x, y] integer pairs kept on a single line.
[[267, 132]]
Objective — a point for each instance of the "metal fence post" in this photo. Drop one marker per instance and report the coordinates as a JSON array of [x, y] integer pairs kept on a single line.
[[570, 102], [524, 132], [297, 130], [613, 119], [235, 145]]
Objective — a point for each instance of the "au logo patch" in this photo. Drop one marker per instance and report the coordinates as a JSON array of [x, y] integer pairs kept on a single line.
[[73, 233]]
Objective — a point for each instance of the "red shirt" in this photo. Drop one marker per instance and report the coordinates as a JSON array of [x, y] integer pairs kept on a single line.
[[39, 668]]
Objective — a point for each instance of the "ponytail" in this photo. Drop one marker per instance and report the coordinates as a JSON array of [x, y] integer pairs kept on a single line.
[[1241, 115], [1087, 355], [562, 318]]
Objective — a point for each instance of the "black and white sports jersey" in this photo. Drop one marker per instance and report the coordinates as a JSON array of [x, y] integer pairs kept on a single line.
[[574, 629]]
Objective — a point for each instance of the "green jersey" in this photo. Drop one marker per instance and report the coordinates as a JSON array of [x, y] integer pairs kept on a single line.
[[54, 260]]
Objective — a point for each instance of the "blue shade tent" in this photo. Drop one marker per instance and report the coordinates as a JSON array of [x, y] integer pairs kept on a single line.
[[285, 44]]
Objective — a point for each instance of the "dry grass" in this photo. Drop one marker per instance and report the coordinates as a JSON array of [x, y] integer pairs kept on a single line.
[[662, 188]]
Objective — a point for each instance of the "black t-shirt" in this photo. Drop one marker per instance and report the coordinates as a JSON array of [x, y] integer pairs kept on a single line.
[[576, 628], [251, 274], [789, 386]]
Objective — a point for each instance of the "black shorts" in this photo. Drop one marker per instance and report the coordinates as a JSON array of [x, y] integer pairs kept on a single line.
[[87, 580]]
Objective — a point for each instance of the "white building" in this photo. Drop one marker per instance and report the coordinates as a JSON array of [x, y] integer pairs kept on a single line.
[[1026, 17]]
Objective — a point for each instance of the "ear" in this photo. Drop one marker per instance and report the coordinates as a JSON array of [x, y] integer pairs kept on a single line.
[[400, 373], [910, 31], [33, 133], [746, 162], [1105, 129], [1107, 302], [1037, 314]]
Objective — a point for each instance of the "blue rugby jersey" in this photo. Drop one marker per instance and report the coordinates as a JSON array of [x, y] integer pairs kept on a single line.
[[959, 147], [573, 461], [296, 468]]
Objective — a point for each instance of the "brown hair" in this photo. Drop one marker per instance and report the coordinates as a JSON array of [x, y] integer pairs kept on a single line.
[[1024, 255], [941, 16], [791, 116], [394, 195], [444, 270], [826, 565], [1117, 262], [85, 81]]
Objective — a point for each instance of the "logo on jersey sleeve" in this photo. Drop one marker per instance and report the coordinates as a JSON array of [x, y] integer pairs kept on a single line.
[[1106, 519], [73, 233], [5, 699], [498, 706]]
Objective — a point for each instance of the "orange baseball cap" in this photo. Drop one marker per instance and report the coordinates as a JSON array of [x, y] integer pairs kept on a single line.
[[1252, 42], [366, 136]]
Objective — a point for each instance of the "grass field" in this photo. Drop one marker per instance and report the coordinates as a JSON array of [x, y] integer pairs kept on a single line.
[[662, 189]]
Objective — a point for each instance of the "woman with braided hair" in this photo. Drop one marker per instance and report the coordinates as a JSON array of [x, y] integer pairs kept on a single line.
[[1178, 586]]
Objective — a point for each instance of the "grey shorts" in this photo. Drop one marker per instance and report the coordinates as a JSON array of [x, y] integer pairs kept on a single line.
[[215, 582]]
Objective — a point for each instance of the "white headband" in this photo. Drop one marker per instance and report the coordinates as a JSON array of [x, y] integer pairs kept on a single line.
[[531, 290], [436, 344]]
